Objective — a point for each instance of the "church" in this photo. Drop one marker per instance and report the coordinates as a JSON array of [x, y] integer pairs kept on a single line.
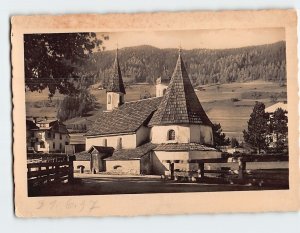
[[138, 137]]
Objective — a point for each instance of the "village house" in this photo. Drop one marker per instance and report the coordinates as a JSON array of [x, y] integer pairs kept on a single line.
[[146, 133], [46, 136]]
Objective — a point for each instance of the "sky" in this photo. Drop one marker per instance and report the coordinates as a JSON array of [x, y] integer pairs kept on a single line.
[[209, 39]]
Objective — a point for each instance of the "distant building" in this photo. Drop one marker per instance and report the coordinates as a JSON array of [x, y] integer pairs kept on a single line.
[[46, 136], [146, 133], [271, 109]]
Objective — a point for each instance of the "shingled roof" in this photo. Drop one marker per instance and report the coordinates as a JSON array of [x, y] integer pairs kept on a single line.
[[180, 104], [136, 153], [116, 82], [183, 147], [125, 119]]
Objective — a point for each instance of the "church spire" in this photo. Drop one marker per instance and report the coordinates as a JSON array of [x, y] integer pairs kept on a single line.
[[116, 81], [180, 104], [115, 90]]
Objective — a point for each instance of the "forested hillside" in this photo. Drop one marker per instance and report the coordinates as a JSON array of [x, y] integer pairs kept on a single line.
[[146, 63]]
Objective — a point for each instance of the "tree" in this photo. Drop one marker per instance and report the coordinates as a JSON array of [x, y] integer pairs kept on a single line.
[[234, 142], [256, 134], [279, 128], [53, 60], [74, 106], [219, 137]]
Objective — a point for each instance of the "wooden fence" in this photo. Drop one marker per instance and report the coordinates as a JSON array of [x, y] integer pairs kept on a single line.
[[45, 172], [241, 175]]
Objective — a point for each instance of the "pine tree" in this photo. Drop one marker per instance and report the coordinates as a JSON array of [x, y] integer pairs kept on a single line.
[[279, 128], [256, 134], [219, 137]]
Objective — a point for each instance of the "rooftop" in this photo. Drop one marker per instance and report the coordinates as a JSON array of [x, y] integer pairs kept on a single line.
[[128, 118], [183, 147], [116, 82], [180, 104], [127, 154]]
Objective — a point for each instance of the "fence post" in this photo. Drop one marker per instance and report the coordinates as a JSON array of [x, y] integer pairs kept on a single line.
[[242, 168], [71, 168], [171, 169], [201, 169]]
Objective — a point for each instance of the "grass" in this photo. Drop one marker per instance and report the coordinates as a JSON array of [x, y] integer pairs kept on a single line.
[[219, 102]]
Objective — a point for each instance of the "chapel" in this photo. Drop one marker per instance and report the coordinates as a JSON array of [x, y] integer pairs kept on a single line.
[[146, 133]]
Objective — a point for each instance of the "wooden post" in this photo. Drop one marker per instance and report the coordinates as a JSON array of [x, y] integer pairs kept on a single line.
[[242, 168], [201, 169], [171, 169]]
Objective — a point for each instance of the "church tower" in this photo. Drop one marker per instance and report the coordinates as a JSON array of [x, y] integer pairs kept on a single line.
[[115, 91], [180, 117]]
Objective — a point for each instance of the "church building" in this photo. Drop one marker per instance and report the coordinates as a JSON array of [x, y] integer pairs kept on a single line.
[[146, 133]]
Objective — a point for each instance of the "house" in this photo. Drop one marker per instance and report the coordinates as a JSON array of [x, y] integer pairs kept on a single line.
[[46, 135], [146, 133]]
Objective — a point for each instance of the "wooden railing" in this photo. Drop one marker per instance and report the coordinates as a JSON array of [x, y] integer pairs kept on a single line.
[[41, 173], [236, 176]]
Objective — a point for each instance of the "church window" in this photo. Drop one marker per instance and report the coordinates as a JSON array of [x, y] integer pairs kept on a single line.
[[171, 134], [109, 99]]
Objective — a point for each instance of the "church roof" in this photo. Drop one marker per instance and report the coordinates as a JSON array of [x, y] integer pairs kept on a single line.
[[136, 153], [126, 119], [180, 104], [183, 147], [116, 81]]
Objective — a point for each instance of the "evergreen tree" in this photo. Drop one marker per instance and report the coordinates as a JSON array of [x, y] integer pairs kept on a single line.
[[256, 134], [279, 128], [219, 137]]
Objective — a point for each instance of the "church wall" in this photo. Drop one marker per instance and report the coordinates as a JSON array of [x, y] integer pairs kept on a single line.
[[201, 134], [160, 89], [123, 166], [128, 141], [159, 134], [161, 168], [114, 100], [142, 135]]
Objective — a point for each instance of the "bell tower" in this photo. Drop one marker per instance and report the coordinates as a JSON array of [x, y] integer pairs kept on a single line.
[[115, 91]]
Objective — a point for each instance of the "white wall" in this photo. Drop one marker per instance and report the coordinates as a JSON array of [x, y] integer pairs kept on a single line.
[[159, 167], [86, 164], [115, 100], [159, 134], [128, 166], [128, 141], [142, 135], [183, 134], [159, 88]]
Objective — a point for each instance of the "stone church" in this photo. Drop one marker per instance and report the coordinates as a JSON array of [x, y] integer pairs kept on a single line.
[[142, 135]]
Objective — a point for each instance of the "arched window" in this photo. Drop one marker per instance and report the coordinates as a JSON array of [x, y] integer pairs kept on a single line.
[[171, 134], [109, 99]]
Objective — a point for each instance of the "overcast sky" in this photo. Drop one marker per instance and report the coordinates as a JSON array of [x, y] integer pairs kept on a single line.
[[211, 39]]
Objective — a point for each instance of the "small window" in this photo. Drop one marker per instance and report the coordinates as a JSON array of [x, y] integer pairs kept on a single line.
[[60, 136], [49, 135], [53, 145], [164, 91], [109, 99], [66, 143], [42, 144], [171, 134], [60, 146]]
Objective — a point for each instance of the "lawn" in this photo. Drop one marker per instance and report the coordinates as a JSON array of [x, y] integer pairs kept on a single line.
[[227, 104]]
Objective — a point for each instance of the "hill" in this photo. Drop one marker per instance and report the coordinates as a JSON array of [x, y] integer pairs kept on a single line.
[[146, 63]]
